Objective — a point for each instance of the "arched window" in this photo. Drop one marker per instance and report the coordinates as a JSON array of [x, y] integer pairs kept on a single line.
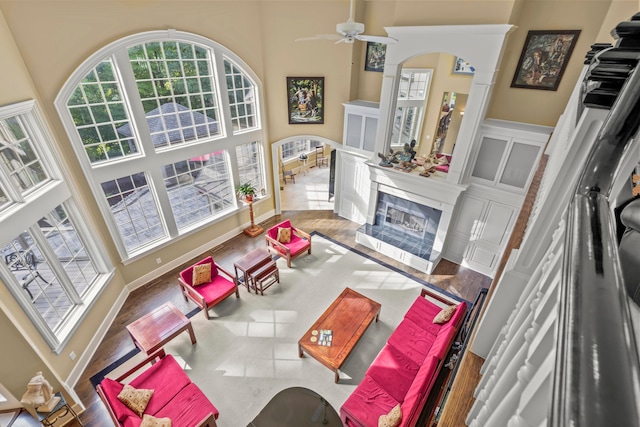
[[165, 125]]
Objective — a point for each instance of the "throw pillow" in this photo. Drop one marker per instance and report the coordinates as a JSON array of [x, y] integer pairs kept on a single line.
[[392, 419], [201, 274], [135, 399], [445, 314], [151, 421], [284, 235]]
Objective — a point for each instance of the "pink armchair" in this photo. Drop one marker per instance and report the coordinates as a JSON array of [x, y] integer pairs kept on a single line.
[[299, 243], [210, 293]]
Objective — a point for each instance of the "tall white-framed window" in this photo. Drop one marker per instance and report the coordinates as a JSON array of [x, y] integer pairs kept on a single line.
[[165, 125], [51, 262], [413, 93]]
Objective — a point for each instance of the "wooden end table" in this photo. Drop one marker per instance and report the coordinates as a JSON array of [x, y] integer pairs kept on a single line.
[[152, 331], [249, 263], [348, 317]]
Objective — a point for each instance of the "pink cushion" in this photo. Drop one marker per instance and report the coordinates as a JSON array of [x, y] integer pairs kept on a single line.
[[447, 333], [422, 312], [393, 371], [413, 341], [367, 402], [187, 274], [442, 168], [421, 385], [219, 288], [188, 407], [111, 390], [166, 378]]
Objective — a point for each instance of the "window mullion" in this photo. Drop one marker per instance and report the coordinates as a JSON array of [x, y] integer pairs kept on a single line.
[[159, 189], [10, 190], [222, 92], [134, 103], [54, 263]]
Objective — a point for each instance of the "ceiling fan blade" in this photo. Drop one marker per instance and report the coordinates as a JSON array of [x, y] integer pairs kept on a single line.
[[376, 39], [320, 37]]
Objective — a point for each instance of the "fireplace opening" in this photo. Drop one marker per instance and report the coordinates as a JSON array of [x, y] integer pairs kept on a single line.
[[405, 224], [405, 220]]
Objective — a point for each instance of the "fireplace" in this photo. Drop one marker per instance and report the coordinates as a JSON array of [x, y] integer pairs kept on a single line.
[[404, 224], [408, 217]]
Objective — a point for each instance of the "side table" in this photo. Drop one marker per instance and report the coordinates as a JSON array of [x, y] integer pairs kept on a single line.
[[48, 419], [152, 331], [248, 263], [265, 276]]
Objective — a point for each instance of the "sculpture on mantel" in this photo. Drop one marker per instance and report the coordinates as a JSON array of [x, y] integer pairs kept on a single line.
[[387, 160]]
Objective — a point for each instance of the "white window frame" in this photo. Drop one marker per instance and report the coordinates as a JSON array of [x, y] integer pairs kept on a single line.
[[308, 149], [151, 164], [420, 104], [25, 213]]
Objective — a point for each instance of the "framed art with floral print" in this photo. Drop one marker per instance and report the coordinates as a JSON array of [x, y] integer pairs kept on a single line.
[[306, 100], [544, 59]]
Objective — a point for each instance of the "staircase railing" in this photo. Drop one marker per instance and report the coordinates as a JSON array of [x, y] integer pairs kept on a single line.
[[596, 380]]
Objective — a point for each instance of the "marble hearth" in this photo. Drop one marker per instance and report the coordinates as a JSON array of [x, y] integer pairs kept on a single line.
[[409, 216]]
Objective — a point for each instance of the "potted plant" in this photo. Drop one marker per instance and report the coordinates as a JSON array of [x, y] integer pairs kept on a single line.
[[247, 190]]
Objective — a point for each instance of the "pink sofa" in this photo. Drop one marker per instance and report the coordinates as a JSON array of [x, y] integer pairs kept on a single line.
[[175, 396], [406, 368]]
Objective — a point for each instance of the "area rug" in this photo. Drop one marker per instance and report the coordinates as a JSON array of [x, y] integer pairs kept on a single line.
[[248, 351]]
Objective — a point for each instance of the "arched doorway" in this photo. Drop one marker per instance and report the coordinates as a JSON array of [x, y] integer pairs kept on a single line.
[[308, 174]]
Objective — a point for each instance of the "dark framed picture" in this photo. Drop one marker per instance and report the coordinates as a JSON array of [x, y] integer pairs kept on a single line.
[[306, 100], [544, 58], [374, 60], [460, 66]]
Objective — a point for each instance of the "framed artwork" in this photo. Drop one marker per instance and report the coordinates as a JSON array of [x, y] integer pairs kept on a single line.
[[306, 100], [460, 66], [374, 60], [544, 58]]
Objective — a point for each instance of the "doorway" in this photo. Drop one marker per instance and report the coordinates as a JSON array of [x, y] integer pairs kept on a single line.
[[306, 183]]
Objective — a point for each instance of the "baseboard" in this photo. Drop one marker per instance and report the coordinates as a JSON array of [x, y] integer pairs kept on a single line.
[[177, 262], [87, 354]]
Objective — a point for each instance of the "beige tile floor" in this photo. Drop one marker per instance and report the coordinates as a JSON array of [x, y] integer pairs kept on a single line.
[[310, 191]]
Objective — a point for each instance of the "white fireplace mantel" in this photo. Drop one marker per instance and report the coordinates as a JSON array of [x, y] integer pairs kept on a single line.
[[435, 191]]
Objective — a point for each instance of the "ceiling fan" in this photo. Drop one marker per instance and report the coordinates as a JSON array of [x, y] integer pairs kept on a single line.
[[350, 31]]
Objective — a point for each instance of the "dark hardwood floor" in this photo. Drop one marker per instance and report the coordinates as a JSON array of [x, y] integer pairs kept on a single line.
[[452, 278]]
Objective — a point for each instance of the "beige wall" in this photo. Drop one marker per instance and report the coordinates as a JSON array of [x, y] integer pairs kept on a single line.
[[543, 107], [43, 41]]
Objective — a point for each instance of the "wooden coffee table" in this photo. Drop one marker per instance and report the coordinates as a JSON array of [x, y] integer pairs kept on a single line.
[[150, 332], [348, 317]]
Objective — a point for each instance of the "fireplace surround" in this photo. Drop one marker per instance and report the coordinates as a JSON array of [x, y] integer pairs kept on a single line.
[[409, 216]]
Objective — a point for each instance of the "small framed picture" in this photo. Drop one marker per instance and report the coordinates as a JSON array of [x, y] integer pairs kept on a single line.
[[306, 100], [544, 58], [460, 66], [375, 57]]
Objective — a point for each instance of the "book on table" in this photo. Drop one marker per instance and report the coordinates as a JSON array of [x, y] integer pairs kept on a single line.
[[325, 338]]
